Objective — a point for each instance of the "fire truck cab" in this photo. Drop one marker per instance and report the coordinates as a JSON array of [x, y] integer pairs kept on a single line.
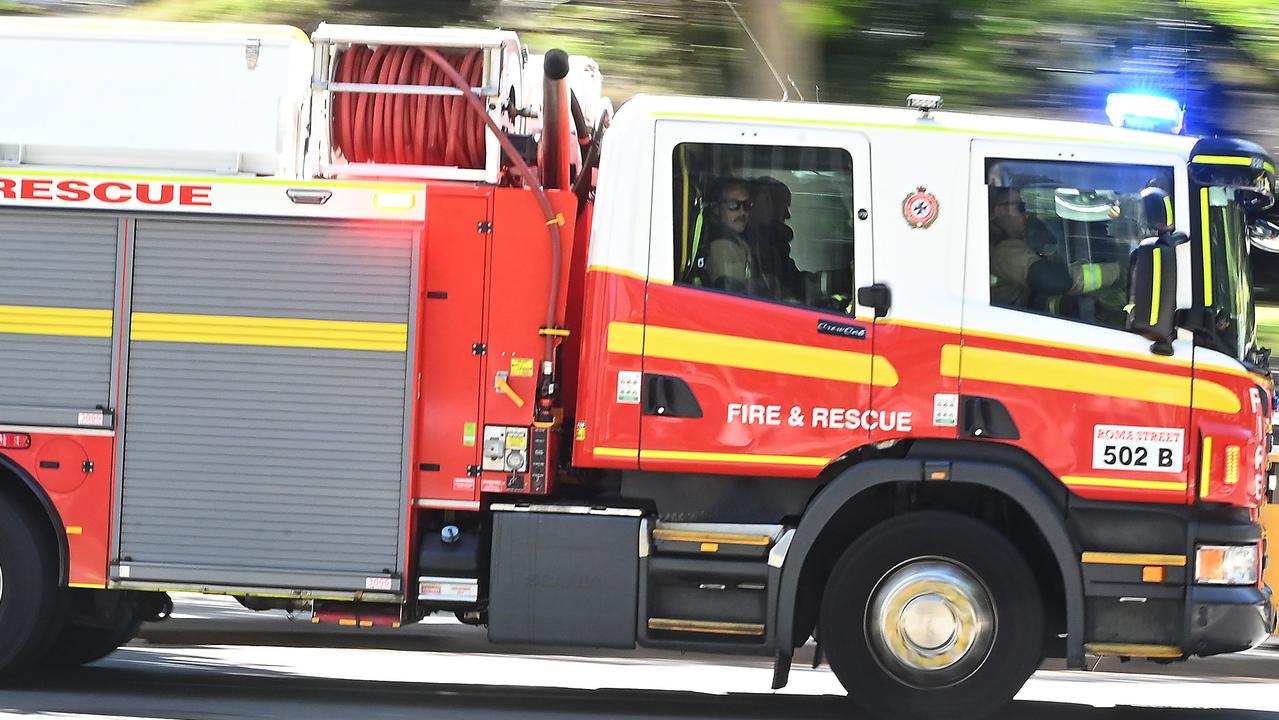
[[948, 393]]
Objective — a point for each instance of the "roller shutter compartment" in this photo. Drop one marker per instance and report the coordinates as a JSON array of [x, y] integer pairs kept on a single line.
[[57, 291], [265, 415]]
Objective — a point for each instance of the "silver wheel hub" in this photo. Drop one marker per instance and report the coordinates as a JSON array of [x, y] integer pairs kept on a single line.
[[930, 622]]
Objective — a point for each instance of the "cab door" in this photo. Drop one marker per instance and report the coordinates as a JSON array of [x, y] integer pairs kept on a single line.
[[768, 374], [1054, 370]]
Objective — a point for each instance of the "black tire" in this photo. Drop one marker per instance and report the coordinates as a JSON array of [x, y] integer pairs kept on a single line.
[[892, 561], [98, 622], [29, 596], [78, 645]]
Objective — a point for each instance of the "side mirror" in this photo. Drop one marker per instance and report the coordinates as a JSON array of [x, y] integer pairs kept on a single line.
[[1152, 290], [1253, 201], [1264, 234]]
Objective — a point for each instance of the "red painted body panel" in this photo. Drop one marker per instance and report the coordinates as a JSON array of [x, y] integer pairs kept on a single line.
[[1057, 425], [571, 349], [1244, 484], [82, 499], [454, 257], [518, 290], [915, 353], [463, 267], [601, 421], [790, 433], [497, 291]]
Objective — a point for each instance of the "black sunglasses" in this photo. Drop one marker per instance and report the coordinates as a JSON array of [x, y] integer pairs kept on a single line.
[[1021, 206], [734, 205]]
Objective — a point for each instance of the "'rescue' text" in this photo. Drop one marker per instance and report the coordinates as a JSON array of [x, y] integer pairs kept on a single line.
[[108, 191]]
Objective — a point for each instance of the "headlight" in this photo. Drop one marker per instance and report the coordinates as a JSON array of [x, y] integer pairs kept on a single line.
[[1226, 564]]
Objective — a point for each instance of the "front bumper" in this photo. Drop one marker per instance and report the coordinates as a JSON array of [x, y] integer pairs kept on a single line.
[[1227, 619], [1168, 612]]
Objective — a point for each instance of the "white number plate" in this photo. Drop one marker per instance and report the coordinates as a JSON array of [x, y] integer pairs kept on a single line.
[[1126, 447]]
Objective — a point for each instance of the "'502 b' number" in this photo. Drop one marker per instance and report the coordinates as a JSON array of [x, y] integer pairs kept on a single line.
[[1137, 457], [1128, 447]]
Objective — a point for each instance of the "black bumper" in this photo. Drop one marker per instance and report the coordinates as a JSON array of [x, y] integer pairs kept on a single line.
[[1227, 619], [1123, 608]]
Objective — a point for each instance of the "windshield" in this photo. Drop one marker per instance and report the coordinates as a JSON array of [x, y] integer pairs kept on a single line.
[[1228, 277]]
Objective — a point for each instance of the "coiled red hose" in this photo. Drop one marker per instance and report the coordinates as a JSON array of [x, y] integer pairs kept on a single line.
[[407, 129]]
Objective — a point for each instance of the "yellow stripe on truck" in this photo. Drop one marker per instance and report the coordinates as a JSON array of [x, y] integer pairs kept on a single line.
[[1205, 467], [1156, 286], [65, 322], [269, 332], [753, 458], [1117, 558], [750, 354], [712, 457], [1222, 160], [1101, 482], [1039, 371], [1205, 207]]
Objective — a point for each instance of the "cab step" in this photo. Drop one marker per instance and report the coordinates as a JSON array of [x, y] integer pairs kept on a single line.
[[709, 586], [711, 627]]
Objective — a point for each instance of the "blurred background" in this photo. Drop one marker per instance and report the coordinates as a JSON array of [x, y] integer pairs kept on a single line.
[[1047, 58]]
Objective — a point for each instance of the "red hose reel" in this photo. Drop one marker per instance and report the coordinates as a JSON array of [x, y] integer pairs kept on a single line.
[[437, 130]]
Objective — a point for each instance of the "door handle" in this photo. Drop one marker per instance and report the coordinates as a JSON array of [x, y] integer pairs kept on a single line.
[[669, 396], [877, 297], [983, 417]]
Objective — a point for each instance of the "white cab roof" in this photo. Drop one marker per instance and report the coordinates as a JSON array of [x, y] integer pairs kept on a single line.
[[831, 115]]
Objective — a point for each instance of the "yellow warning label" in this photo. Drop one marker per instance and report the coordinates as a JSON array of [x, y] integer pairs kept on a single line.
[[521, 367], [581, 431], [468, 435]]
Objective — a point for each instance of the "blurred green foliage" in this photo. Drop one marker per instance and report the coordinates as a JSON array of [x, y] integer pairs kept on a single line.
[[20, 8], [1047, 56], [244, 11]]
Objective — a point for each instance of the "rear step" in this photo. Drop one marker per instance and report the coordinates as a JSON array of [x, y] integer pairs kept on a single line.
[[362, 615]]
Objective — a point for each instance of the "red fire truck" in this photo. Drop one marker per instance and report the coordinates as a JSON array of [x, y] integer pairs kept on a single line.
[[355, 325]]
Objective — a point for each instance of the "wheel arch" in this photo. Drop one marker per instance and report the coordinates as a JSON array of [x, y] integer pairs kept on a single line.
[[857, 496], [19, 486]]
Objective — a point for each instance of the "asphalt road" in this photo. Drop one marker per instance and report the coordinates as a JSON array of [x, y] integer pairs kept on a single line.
[[215, 661]]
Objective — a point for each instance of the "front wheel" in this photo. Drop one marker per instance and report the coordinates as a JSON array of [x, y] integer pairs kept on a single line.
[[932, 613]]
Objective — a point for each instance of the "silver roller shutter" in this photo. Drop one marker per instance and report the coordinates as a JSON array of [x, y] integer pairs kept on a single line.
[[57, 290], [248, 461]]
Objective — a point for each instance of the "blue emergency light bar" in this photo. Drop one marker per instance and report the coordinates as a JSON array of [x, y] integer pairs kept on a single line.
[[1141, 111]]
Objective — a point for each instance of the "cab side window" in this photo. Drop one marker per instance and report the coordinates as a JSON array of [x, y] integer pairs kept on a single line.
[[1061, 234], [768, 222]]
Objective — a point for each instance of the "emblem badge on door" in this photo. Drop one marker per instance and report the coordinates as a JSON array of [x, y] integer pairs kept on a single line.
[[920, 208]]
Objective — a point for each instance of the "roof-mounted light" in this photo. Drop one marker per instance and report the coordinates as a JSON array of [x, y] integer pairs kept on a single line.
[[1141, 111], [924, 103]]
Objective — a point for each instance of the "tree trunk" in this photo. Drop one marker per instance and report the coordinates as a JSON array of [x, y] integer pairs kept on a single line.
[[792, 50]]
